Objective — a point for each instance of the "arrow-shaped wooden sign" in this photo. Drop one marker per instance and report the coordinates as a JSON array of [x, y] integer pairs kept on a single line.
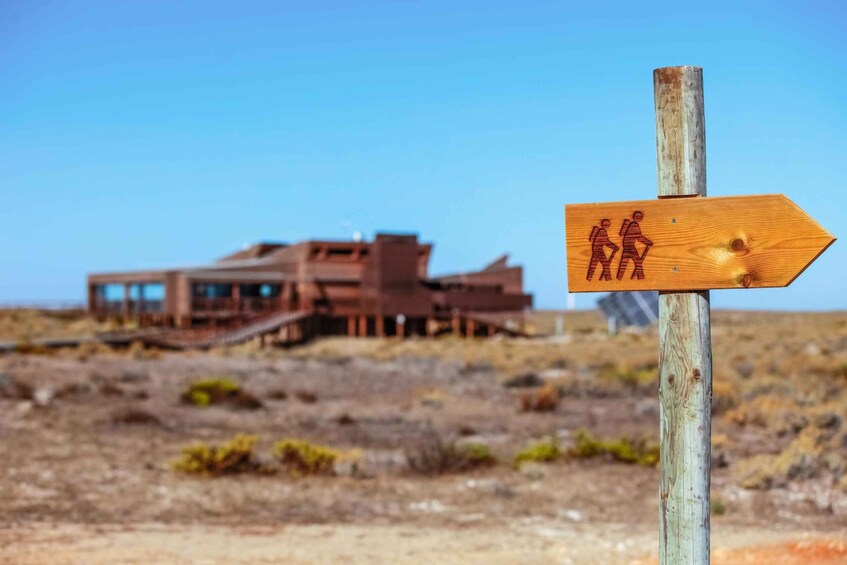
[[694, 243]]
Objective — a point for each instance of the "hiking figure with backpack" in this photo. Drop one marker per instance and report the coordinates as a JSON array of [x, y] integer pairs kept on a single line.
[[599, 239], [631, 234]]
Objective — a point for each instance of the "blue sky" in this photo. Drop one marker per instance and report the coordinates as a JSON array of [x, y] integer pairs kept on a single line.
[[146, 134]]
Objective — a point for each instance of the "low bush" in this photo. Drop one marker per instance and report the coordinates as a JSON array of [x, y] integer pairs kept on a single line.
[[544, 451], [231, 457], [69, 390], [300, 457], [478, 455], [799, 460], [345, 420], [725, 396], [137, 350], [780, 414], [720, 450], [110, 389], [135, 416], [216, 390], [524, 380], [542, 399], [433, 456], [14, 389], [623, 449], [306, 396], [277, 394], [641, 377]]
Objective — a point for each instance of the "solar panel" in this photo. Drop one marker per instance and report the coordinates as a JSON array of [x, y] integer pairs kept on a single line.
[[638, 308]]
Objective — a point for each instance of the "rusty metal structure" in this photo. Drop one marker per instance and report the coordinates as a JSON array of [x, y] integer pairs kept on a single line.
[[288, 293]]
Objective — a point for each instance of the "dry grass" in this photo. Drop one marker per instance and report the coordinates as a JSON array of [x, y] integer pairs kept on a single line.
[[24, 325], [779, 380], [432, 455]]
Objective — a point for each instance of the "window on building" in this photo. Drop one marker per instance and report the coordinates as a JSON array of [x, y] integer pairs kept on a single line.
[[211, 290]]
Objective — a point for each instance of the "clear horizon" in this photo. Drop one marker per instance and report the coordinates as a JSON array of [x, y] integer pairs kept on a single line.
[[163, 134]]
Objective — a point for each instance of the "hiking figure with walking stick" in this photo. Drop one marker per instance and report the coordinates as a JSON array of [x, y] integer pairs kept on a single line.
[[599, 239], [631, 234]]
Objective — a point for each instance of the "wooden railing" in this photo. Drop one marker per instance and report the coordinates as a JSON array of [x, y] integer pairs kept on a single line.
[[228, 304]]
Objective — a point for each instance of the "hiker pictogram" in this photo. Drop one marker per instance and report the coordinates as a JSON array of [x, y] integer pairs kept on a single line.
[[631, 234], [599, 239]]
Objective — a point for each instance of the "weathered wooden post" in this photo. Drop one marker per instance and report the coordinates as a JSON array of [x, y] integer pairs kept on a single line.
[[683, 245], [685, 343]]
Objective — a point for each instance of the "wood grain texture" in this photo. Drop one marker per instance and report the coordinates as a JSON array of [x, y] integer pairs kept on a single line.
[[697, 243], [685, 342], [685, 408]]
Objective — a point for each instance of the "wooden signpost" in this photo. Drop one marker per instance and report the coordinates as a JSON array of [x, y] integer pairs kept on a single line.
[[690, 243], [683, 245]]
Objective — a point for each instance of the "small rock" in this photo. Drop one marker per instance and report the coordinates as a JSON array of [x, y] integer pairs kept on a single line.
[[503, 491], [812, 349], [428, 507], [43, 397], [72, 389], [822, 501], [133, 377], [554, 374], [346, 469], [573, 515], [533, 471]]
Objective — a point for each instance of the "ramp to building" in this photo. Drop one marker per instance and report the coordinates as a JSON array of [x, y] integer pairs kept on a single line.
[[509, 323], [206, 338]]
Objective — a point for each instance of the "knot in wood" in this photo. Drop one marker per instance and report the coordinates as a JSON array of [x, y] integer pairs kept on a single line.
[[696, 374]]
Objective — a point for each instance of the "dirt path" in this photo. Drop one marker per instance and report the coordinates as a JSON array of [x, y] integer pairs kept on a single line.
[[529, 541]]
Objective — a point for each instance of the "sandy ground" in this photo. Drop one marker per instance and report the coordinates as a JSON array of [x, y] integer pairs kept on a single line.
[[529, 541], [79, 487]]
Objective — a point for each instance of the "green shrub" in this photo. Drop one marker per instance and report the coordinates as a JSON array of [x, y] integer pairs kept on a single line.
[[219, 390], [233, 456], [622, 449], [544, 451], [631, 377], [478, 455], [717, 507], [300, 457]]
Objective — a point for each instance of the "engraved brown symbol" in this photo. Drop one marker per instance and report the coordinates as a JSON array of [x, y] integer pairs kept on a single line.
[[599, 239], [631, 234]]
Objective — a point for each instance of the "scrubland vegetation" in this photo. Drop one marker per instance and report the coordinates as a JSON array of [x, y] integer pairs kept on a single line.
[[447, 431]]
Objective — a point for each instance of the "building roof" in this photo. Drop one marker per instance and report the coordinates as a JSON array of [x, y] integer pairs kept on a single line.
[[254, 251]]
